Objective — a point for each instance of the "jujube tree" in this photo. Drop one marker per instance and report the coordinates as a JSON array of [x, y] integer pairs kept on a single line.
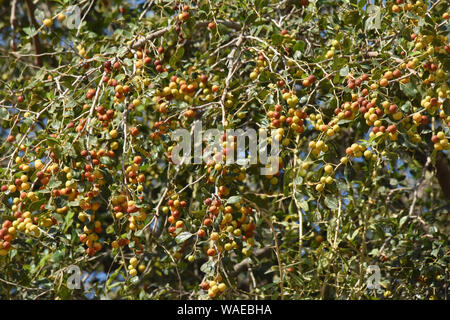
[[355, 93]]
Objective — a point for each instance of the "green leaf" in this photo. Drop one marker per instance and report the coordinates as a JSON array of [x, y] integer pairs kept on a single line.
[[304, 205], [299, 46], [260, 4], [34, 206], [110, 229], [26, 124], [362, 3], [298, 180], [111, 278], [135, 280], [176, 57], [351, 17], [234, 199], [344, 71], [54, 183], [409, 89], [52, 141], [68, 220], [4, 114], [106, 161], [251, 18], [42, 262], [30, 31], [402, 221], [446, 106], [59, 255], [183, 236], [277, 39], [331, 202], [208, 267], [347, 44], [406, 107]]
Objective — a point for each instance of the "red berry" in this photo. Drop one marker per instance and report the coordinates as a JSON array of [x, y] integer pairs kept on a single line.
[[435, 139], [392, 128], [393, 108]]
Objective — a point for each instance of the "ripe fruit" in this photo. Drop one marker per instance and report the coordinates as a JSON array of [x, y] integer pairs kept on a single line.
[[205, 285], [318, 238], [137, 160], [61, 17], [222, 287], [435, 139], [383, 82], [214, 236], [133, 272], [179, 224], [392, 129], [111, 161], [201, 233], [183, 16], [328, 169], [329, 54], [48, 22], [114, 134], [207, 222], [134, 131], [393, 108], [91, 93], [397, 73], [133, 261]]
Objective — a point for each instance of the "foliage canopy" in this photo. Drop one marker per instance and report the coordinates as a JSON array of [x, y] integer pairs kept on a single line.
[[92, 90]]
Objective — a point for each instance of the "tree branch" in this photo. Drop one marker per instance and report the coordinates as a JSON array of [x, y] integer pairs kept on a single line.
[[36, 41]]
